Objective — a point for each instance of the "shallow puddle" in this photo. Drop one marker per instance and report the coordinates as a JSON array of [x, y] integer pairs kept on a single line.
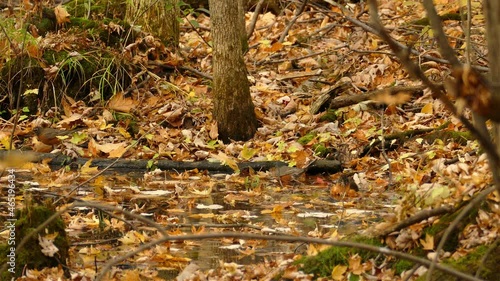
[[203, 205]]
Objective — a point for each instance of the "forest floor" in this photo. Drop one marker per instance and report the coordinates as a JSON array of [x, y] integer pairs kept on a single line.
[[172, 115]]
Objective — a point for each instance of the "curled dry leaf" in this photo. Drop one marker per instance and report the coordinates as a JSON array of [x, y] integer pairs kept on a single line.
[[62, 16]]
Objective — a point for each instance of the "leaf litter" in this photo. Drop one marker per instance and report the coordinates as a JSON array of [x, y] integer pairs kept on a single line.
[[286, 78]]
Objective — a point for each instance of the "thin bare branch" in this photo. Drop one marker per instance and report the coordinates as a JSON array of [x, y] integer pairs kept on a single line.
[[293, 20], [445, 49], [414, 70], [383, 250], [255, 16], [472, 204]]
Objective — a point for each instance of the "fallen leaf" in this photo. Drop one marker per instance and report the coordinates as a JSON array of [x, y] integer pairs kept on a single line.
[[62, 16]]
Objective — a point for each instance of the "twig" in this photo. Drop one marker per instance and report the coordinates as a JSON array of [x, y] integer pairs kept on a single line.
[[292, 21], [372, 52], [344, 101], [266, 61], [403, 55], [472, 204], [370, 29], [418, 217], [384, 154], [255, 16], [196, 30], [295, 75], [140, 218], [445, 49], [383, 250], [197, 72]]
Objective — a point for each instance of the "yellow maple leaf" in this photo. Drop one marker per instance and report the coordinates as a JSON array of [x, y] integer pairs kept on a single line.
[[338, 272], [428, 242], [87, 170]]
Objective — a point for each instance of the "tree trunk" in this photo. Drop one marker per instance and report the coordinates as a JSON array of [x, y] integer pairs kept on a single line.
[[233, 107], [269, 5], [492, 14]]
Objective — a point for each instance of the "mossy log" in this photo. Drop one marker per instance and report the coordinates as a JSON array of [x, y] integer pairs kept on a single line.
[[393, 141], [140, 165]]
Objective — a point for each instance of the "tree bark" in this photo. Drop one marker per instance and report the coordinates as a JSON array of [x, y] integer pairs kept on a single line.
[[492, 14], [233, 107]]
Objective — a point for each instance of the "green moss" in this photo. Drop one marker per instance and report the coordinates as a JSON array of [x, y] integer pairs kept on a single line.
[[83, 23], [113, 8], [329, 116], [45, 25], [402, 265], [323, 263], [448, 135], [306, 139], [31, 256], [320, 150], [52, 57], [471, 263]]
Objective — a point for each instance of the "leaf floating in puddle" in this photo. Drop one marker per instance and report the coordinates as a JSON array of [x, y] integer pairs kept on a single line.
[[315, 215], [210, 207], [231, 247], [156, 192]]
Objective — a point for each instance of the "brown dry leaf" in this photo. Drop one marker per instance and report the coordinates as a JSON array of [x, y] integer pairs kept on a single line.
[[290, 108], [66, 107], [131, 275], [62, 16], [119, 103], [175, 117], [226, 160], [133, 237], [284, 66], [214, 131], [115, 27], [309, 63], [108, 147], [199, 230], [113, 149], [71, 119], [153, 101], [275, 47]]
